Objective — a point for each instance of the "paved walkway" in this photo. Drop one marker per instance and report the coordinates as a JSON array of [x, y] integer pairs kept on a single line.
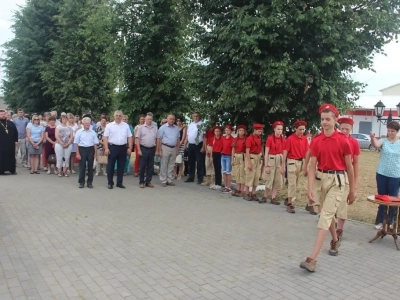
[[183, 242]]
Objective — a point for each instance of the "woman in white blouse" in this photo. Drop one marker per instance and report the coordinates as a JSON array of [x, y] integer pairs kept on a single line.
[[63, 146]]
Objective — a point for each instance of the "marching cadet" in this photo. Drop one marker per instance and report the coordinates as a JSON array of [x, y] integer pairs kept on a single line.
[[346, 126], [238, 155], [331, 153], [273, 161], [295, 151], [252, 162]]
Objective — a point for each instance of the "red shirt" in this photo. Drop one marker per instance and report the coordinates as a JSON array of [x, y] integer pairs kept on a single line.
[[216, 144], [355, 147], [275, 144], [240, 145], [227, 144], [296, 147], [209, 136], [254, 143], [330, 151]]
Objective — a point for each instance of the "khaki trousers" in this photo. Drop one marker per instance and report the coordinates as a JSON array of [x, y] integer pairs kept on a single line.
[[167, 164], [253, 176], [238, 168], [209, 163], [294, 170], [274, 179]]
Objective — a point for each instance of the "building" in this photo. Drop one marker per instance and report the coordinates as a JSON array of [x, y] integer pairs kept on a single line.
[[365, 120]]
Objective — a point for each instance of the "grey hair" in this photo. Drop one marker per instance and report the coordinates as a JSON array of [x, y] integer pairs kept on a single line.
[[118, 112], [150, 114], [86, 119]]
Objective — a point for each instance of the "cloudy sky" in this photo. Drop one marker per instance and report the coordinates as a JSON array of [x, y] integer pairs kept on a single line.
[[387, 67]]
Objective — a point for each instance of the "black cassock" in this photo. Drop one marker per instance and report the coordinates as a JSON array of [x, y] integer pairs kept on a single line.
[[8, 138]]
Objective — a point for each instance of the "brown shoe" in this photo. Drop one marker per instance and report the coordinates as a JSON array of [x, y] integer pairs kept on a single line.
[[238, 194], [309, 264], [149, 185], [334, 248], [247, 198], [255, 198], [311, 209], [263, 200], [141, 185], [286, 201], [290, 208], [339, 233], [274, 201]]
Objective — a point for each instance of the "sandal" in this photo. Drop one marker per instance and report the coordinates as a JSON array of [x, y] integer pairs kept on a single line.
[[37, 172], [32, 172], [290, 208], [66, 175], [59, 174], [247, 197], [274, 201], [263, 200], [255, 198]]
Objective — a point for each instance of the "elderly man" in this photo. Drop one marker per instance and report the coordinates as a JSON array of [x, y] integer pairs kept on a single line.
[[118, 143], [21, 122], [146, 140], [197, 149], [86, 142], [168, 140], [8, 141]]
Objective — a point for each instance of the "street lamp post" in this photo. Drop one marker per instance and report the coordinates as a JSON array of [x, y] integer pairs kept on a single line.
[[380, 109]]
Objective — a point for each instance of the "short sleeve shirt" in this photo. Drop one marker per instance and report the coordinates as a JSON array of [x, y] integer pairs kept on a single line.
[[216, 144], [275, 144], [193, 132], [389, 162], [296, 146], [64, 133], [227, 144], [254, 143], [117, 133], [355, 147], [36, 132], [240, 145]]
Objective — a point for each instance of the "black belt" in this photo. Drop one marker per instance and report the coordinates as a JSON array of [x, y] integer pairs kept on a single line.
[[124, 145], [169, 146], [298, 159], [147, 147], [331, 171]]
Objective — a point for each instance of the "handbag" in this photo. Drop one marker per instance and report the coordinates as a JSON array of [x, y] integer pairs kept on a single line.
[[52, 160], [178, 159], [102, 160]]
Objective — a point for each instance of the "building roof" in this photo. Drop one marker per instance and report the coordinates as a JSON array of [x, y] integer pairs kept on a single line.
[[389, 87], [370, 101]]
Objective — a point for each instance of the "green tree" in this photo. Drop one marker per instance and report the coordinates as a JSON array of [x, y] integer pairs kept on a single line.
[[79, 76], [265, 59], [34, 29], [152, 39]]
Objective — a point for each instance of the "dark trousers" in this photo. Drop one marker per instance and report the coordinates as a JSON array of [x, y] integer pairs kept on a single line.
[[196, 157], [146, 164], [217, 167], [386, 186], [117, 154], [87, 158]]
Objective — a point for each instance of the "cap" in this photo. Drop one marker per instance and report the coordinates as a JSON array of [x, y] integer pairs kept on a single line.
[[257, 126], [330, 107], [346, 121], [276, 123], [228, 127], [300, 123], [216, 127], [241, 127]]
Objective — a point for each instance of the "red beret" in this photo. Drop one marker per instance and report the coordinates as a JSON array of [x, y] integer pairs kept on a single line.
[[346, 121], [330, 107], [258, 126], [216, 127], [276, 123], [228, 127], [300, 123], [241, 127]]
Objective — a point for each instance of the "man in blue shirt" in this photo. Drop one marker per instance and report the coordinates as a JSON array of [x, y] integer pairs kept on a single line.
[[86, 142], [168, 140], [21, 122]]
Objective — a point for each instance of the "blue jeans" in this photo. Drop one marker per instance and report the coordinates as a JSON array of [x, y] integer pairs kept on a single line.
[[226, 164], [386, 186]]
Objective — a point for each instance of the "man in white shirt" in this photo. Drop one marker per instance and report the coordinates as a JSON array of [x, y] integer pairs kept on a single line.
[[196, 149], [118, 144]]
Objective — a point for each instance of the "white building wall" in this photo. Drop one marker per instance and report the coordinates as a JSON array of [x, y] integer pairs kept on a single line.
[[377, 127]]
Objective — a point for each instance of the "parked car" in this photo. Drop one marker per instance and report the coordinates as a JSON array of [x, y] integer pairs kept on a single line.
[[364, 141]]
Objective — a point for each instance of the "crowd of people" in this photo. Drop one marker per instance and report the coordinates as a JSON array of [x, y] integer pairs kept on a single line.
[[208, 157]]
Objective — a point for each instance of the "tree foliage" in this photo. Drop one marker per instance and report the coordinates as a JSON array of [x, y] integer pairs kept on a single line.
[[153, 62], [79, 76], [270, 59], [26, 54]]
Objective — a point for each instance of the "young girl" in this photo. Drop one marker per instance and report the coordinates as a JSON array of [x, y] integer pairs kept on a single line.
[[238, 154], [273, 161], [226, 158], [216, 144]]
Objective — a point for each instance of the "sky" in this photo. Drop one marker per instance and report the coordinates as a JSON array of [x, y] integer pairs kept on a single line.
[[387, 66]]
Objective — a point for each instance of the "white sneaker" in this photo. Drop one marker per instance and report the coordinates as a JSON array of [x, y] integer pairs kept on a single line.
[[48, 171], [97, 174], [211, 186], [379, 226], [73, 171], [216, 187], [105, 173]]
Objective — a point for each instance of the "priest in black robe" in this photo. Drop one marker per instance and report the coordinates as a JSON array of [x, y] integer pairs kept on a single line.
[[8, 141]]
